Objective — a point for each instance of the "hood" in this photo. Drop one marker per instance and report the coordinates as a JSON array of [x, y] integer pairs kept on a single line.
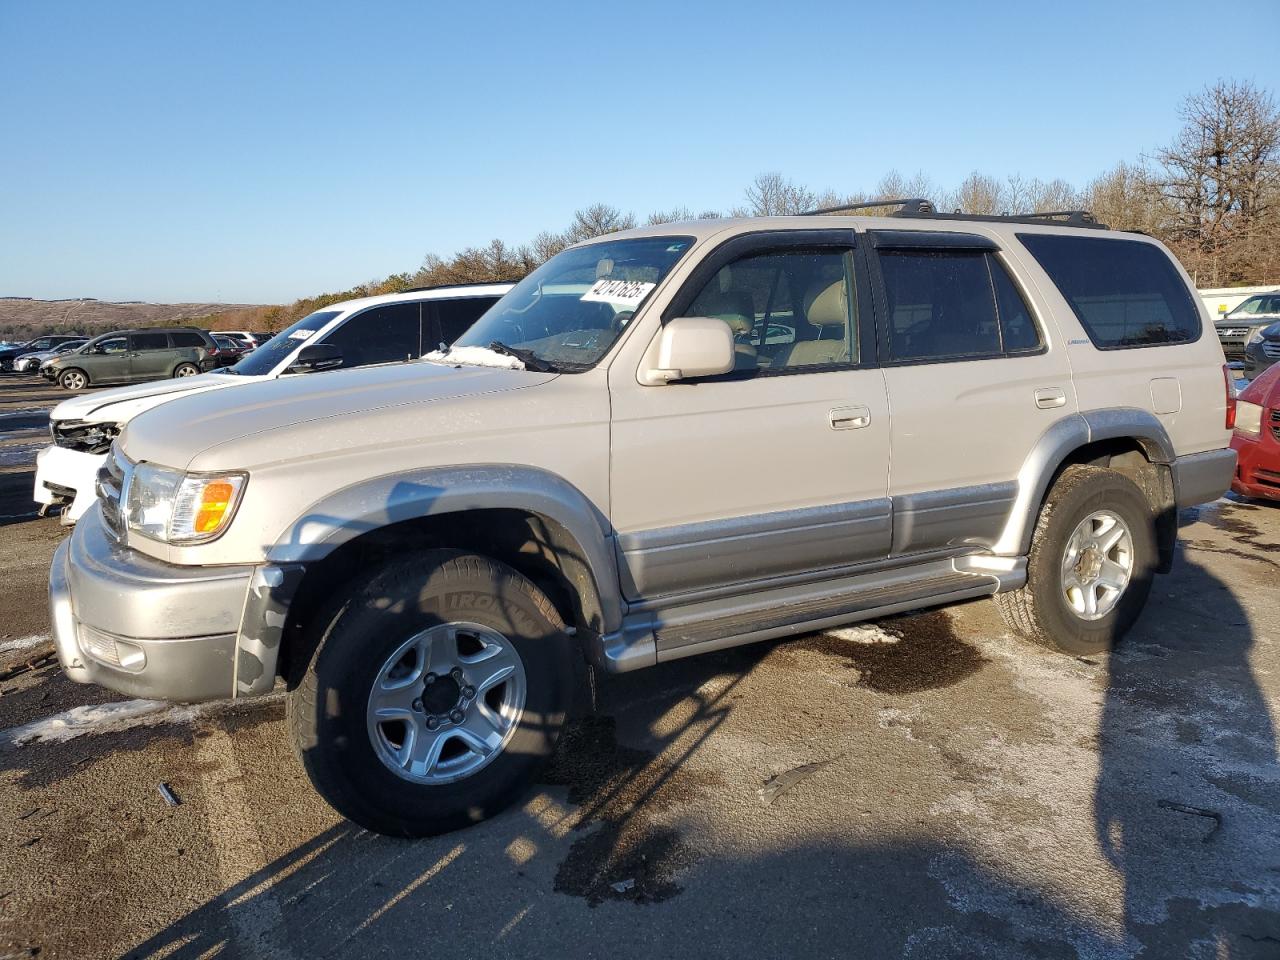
[[119, 404], [288, 409], [1264, 389]]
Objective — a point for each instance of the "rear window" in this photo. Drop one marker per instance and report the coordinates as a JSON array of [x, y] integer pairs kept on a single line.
[[1125, 293], [187, 338]]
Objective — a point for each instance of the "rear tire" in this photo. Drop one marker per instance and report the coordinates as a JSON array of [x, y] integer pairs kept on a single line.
[[1069, 602], [374, 771], [73, 379], [186, 370]]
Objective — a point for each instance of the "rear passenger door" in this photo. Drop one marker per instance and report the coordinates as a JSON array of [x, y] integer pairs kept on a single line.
[[390, 333], [972, 384], [150, 356]]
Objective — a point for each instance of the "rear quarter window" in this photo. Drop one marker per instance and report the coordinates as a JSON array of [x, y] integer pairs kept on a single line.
[[187, 338], [1125, 293]]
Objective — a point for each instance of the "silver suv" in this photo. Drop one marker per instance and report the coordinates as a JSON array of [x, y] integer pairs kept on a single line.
[[662, 442]]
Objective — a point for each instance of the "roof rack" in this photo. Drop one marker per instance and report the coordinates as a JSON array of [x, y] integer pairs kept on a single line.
[[923, 209], [440, 286], [914, 207]]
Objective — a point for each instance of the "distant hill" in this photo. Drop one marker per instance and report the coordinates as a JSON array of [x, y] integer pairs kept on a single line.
[[21, 316]]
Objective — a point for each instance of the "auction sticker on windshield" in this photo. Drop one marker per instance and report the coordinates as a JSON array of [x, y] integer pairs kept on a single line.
[[627, 293], [301, 334]]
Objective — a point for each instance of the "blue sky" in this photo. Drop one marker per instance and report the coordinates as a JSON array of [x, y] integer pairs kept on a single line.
[[258, 152]]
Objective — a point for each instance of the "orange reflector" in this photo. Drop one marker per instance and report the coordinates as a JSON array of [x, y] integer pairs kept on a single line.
[[214, 501]]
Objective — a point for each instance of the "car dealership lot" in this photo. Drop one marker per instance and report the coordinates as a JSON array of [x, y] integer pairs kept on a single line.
[[941, 790]]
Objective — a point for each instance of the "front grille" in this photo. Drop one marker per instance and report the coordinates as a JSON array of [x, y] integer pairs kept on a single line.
[[85, 437], [1275, 423], [110, 488], [1232, 333], [1268, 477], [1271, 349]]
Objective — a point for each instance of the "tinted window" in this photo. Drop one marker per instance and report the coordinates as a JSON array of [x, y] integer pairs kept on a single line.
[[148, 341], [1018, 331], [187, 338], [114, 345], [380, 335], [450, 319], [1126, 293], [787, 310], [941, 304]]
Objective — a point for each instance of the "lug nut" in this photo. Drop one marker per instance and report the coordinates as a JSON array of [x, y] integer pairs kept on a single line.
[[468, 692], [456, 716], [417, 705], [432, 723], [429, 679], [456, 673]]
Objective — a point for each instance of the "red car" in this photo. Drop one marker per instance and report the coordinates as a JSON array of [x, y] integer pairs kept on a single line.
[[1257, 437]]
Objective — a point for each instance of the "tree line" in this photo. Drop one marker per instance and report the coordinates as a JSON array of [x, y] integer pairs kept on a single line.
[[1212, 195]]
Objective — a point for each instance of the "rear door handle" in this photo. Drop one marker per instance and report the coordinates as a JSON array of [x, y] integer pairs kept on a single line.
[[849, 418], [1048, 398]]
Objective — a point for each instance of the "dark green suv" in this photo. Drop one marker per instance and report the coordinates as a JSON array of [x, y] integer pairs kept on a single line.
[[131, 356]]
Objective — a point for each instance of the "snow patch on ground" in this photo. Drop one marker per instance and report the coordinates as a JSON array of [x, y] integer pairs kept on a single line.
[[112, 718], [24, 643], [474, 357], [866, 633]]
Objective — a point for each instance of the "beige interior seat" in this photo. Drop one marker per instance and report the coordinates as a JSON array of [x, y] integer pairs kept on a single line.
[[826, 308]]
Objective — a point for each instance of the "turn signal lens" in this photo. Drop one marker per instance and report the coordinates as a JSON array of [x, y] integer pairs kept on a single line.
[[204, 507], [1231, 397]]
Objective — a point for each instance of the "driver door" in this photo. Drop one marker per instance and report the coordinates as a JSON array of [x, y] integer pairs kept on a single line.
[[778, 468]]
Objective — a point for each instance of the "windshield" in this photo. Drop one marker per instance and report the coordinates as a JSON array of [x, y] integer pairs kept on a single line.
[[1263, 305], [569, 311], [268, 356]]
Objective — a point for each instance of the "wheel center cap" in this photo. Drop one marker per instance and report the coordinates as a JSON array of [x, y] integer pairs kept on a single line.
[[1090, 563], [441, 695]]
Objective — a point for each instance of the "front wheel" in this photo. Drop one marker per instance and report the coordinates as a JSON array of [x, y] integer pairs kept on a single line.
[[186, 370], [436, 689], [73, 380], [1093, 556]]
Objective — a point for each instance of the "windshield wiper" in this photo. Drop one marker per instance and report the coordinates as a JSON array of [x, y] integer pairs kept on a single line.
[[530, 359]]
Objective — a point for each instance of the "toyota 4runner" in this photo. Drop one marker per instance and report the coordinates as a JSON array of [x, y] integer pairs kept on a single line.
[[662, 442]]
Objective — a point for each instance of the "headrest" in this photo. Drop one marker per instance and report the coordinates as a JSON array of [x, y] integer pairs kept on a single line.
[[827, 304]]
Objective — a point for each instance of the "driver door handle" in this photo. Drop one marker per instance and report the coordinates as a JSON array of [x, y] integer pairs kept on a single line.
[[849, 418]]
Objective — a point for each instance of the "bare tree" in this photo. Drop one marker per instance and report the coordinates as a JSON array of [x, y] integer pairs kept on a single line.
[[1221, 172], [773, 195], [674, 215], [597, 220]]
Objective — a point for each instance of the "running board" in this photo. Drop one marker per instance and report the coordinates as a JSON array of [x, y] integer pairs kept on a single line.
[[670, 633]]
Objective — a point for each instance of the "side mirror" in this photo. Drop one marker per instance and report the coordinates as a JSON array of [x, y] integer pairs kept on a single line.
[[691, 347], [315, 357]]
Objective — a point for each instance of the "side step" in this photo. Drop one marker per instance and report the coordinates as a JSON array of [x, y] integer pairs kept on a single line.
[[670, 633]]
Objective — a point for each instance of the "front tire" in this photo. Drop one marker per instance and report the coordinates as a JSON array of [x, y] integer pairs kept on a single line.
[[73, 380], [1093, 557], [436, 689]]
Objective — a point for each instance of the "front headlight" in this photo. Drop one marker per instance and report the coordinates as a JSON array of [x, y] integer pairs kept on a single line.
[[1248, 419], [176, 507]]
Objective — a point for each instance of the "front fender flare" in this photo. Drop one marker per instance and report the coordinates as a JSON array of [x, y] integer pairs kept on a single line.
[[381, 501]]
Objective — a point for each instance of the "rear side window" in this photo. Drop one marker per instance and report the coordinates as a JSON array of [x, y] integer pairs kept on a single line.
[[450, 319], [148, 341], [187, 338], [953, 304], [1125, 293]]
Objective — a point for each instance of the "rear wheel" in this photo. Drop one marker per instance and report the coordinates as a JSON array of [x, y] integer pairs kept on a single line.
[[73, 379], [1093, 555], [436, 689], [186, 370]]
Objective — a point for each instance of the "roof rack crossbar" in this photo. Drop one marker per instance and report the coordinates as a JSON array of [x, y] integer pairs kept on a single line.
[[924, 209], [915, 205]]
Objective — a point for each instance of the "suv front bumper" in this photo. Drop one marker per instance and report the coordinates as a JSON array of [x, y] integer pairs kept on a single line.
[[150, 629]]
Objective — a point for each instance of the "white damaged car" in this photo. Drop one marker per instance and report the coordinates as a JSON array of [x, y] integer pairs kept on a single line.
[[391, 328]]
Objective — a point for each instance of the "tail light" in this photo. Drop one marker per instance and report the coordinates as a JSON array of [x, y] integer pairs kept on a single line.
[[1231, 396]]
